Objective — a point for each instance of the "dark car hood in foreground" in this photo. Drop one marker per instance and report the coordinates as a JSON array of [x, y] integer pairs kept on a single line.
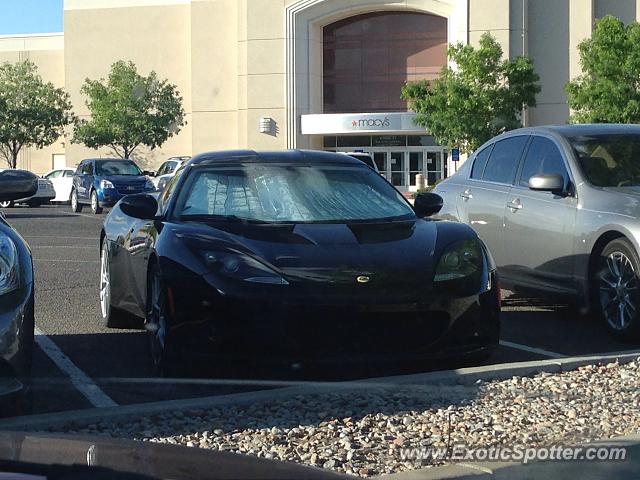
[[154, 460], [334, 253]]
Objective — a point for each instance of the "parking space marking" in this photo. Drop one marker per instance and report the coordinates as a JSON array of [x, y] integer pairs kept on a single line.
[[64, 261], [527, 348], [79, 379]]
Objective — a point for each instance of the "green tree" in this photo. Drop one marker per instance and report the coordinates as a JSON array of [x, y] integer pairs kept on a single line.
[[608, 91], [33, 113], [129, 110], [480, 98]]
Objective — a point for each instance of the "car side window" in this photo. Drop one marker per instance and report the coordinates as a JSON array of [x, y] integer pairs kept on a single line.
[[54, 174], [87, 169], [168, 190], [162, 169], [68, 173], [543, 156], [504, 159], [480, 162]]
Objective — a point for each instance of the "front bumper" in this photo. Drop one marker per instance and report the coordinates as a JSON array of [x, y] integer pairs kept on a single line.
[[320, 331], [108, 197]]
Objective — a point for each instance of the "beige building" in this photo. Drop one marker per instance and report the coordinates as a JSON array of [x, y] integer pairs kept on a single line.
[[325, 74]]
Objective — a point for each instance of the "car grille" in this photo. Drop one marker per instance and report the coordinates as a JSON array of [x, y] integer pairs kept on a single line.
[[128, 189]]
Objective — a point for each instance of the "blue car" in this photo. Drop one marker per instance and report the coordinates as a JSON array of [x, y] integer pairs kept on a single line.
[[101, 182]]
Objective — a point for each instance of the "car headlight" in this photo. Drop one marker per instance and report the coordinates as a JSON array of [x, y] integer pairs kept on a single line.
[[461, 260], [242, 267], [9, 269], [106, 184], [149, 185], [162, 183]]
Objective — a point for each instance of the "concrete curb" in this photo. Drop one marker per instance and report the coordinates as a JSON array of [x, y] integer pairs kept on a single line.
[[462, 376]]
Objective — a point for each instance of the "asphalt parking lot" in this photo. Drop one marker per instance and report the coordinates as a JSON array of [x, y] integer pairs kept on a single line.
[[80, 364]]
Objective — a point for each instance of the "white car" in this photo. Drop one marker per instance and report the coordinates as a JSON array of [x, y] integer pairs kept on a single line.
[[45, 194], [167, 170], [62, 180]]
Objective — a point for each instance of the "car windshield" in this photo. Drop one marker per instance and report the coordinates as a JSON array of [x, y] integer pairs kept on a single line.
[[286, 193], [609, 160], [117, 167]]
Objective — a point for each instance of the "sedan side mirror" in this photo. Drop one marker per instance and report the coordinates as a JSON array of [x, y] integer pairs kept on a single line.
[[15, 184], [149, 173], [427, 204], [140, 206], [547, 182]]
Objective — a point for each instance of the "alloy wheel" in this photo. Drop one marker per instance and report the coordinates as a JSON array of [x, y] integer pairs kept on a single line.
[[5, 204], [105, 283], [618, 284], [157, 326]]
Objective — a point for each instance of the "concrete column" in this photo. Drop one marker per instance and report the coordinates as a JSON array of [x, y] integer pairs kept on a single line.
[[581, 19]]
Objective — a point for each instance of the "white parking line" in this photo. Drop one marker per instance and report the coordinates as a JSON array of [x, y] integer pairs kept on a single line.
[[79, 379], [54, 260], [529, 349]]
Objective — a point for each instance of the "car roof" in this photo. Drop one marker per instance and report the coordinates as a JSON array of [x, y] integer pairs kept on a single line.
[[578, 129], [276, 156], [105, 159]]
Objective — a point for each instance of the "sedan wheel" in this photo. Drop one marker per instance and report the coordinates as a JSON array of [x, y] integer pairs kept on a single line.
[[618, 294], [95, 204], [76, 207], [157, 326], [105, 284], [6, 204]]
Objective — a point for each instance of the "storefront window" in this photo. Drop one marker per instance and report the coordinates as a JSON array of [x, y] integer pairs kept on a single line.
[[368, 58]]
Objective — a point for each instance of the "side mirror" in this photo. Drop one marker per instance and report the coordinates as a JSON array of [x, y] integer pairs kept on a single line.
[[547, 182], [15, 184], [140, 206], [427, 204], [149, 173]]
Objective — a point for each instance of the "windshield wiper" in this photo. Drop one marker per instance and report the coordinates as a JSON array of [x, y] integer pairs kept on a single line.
[[223, 218]]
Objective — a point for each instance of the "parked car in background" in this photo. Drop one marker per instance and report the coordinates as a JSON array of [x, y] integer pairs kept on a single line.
[[295, 256], [101, 182], [16, 300], [62, 180], [559, 208], [44, 194], [167, 170]]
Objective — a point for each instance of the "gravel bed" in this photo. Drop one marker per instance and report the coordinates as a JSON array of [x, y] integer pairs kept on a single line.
[[362, 431]]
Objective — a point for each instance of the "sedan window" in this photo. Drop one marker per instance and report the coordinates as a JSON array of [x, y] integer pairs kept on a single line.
[[504, 159], [54, 174], [68, 173], [543, 156], [480, 163]]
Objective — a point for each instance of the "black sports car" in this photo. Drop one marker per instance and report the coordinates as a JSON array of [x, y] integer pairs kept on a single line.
[[16, 301], [296, 256]]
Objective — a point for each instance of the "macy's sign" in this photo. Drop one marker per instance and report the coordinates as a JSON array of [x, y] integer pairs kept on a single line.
[[371, 123]]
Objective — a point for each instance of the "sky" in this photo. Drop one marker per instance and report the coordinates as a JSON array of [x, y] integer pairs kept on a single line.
[[30, 16]]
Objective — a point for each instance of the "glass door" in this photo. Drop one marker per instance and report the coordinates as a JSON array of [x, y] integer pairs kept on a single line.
[[416, 166], [380, 158], [397, 167], [435, 171]]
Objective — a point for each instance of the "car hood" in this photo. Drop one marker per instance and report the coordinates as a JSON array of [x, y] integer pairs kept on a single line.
[[154, 460], [625, 200], [124, 179], [395, 252]]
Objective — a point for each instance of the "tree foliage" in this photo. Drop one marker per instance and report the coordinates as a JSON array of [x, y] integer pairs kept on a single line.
[[608, 91], [482, 97], [129, 110], [33, 113]]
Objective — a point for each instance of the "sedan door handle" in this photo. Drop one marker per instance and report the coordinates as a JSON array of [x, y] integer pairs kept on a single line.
[[515, 204], [466, 195]]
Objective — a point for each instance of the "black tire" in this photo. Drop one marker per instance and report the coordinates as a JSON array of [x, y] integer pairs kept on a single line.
[[164, 361], [34, 203], [615, 287], [76, 206], [7, 204], [96, 209], [113, 317]]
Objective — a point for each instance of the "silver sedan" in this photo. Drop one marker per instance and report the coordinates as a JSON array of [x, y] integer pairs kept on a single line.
[[559, 208]]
